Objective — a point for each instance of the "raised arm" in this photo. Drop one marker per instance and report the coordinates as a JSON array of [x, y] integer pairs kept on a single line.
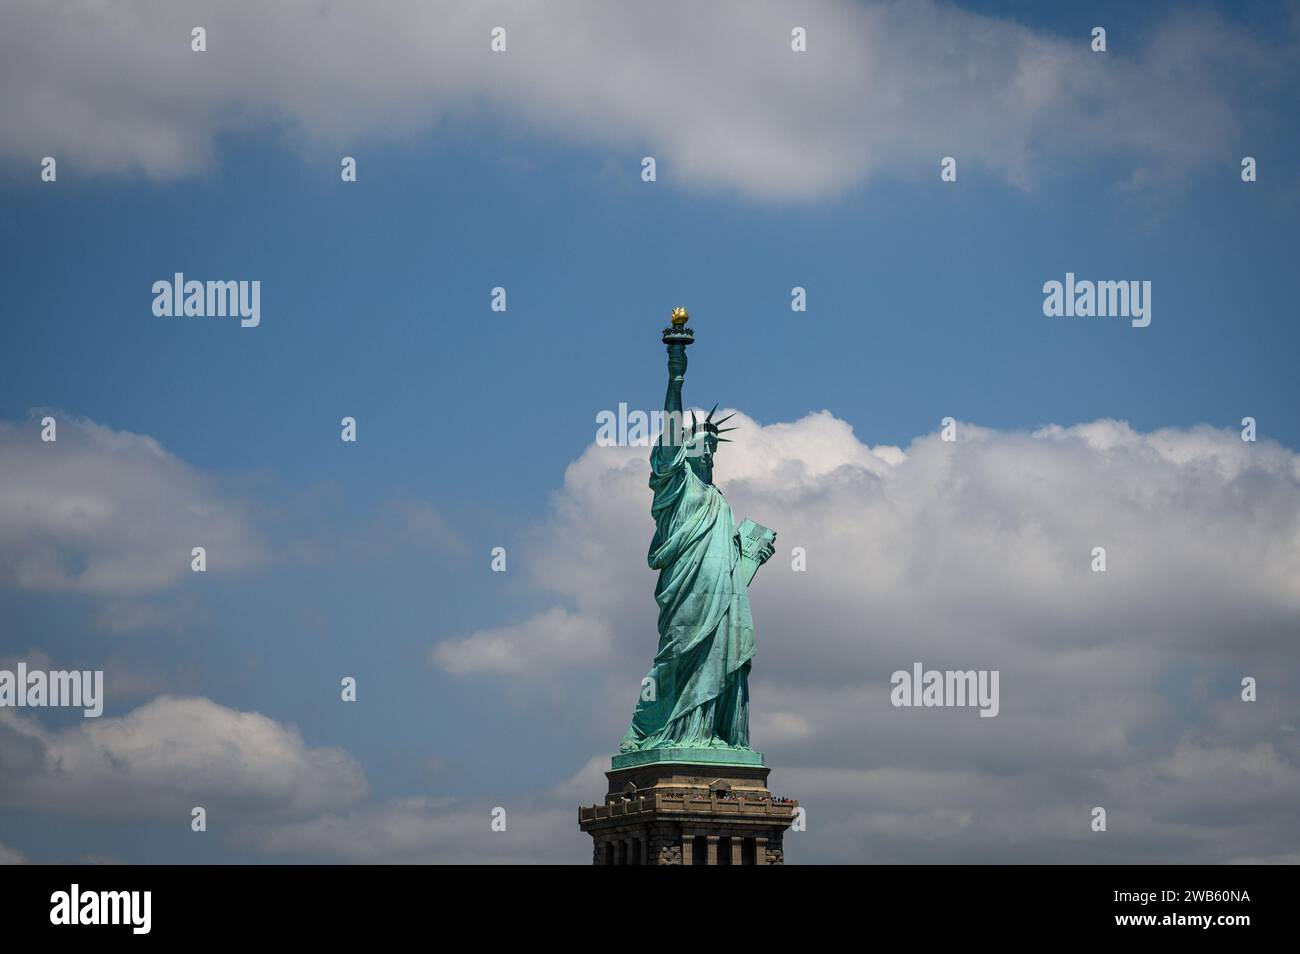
[[673, 398], [677, 336]]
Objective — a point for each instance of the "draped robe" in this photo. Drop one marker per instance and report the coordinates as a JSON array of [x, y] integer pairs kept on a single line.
[[706, 633]]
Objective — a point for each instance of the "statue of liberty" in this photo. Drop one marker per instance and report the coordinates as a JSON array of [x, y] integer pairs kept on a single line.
[[698, 693]]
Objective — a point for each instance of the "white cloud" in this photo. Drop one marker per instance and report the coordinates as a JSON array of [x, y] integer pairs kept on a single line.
[[169, 755], [712, 90], [107, 512], [549, 641]]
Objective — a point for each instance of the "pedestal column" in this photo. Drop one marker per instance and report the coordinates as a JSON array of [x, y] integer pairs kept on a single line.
[[712, 855]]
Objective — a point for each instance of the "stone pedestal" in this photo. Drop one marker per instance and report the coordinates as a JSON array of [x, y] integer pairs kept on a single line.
[[678, 812]]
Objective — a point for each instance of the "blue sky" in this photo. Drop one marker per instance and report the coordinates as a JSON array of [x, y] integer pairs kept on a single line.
[[924, 301]]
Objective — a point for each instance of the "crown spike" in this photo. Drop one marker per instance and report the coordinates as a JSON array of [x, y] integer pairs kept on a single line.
[[723, 430], [724, 420], [723, 440], [710, 417]]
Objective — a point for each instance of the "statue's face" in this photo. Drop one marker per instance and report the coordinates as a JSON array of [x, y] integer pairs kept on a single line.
[[702, 462]]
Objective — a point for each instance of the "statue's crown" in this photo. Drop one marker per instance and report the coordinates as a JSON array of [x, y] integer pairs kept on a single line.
[[710, 427]]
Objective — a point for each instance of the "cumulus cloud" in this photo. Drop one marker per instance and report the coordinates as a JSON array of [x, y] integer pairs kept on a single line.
[[992, 534], [548, 642], [1119, 689], [713, 91], [169, 755], [109, 513]]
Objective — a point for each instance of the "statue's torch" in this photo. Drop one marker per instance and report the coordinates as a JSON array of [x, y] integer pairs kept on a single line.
[[677, 333]]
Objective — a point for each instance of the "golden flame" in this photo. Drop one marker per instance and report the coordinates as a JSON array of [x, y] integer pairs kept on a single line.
[[679, 317]]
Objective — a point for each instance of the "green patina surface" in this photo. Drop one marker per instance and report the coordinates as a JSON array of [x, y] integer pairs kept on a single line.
[[697, 701], [692, 756]]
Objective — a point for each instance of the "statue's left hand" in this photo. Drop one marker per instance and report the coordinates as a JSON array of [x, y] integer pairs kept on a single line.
[[766, 553]]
